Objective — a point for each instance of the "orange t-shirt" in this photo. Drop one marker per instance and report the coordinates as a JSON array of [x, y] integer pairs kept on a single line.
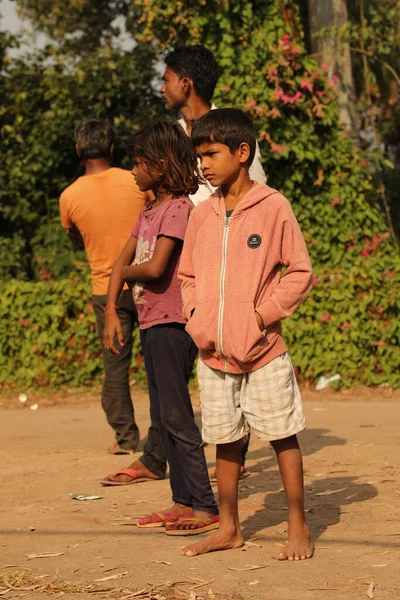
[[104, 207]]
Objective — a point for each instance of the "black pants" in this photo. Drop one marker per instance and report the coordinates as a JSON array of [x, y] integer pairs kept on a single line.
[[169, 354], [116, 397]]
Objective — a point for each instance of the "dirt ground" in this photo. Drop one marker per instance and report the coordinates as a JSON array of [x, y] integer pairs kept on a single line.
[[352, 466]]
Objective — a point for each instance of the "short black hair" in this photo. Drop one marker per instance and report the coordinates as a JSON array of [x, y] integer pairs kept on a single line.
[[199, 64], [229, 126], [93, 138]]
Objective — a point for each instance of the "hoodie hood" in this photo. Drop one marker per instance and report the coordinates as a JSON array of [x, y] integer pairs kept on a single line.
[[258, 193]]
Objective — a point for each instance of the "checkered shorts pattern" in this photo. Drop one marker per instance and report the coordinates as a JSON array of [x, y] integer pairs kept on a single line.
[[268, 400]]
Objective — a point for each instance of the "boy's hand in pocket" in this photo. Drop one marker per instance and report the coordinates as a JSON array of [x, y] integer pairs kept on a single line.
[[260, 322]]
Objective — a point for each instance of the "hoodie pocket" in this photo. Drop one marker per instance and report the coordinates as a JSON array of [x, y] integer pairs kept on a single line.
[[242, 339], [202, 326]]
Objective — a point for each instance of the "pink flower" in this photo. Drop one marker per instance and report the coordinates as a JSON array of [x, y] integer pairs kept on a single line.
[[381, 310], [363, 164], [325, 66], [24, 322], [306, 85], [326, 317], [280, 95], [277, 148], [314, 75], [335, 79], [296, 370], [346, 325], [321, 94], [285, 39], [336, 201], [44, 274], [251, 103], [380, 343], [315, 282]]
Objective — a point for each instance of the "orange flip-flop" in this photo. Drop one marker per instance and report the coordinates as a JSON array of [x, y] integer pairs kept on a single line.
[[157, 520], [201, 526], [136, 478]]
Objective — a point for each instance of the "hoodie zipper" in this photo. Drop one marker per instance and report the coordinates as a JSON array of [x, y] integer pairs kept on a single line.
[[222, 289]]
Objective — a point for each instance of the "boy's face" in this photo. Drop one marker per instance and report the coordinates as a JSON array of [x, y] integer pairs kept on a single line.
[[173, 90], [219, 165], [142, 175]]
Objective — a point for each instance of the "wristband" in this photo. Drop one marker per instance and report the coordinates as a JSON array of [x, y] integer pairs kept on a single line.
[[109, 306]]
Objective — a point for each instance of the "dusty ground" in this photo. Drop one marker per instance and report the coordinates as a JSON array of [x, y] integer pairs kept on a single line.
[[351, 455]]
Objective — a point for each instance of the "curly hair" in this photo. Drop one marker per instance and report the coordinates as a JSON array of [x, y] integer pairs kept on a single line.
[[199, 64], [164, 146]]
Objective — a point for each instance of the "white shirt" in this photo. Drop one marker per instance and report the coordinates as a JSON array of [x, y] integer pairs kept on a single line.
[[205, 190]]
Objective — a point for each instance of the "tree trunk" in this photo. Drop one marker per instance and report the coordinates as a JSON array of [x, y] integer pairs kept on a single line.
[[330, 50]]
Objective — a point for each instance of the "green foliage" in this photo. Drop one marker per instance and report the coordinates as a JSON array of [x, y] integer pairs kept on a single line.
[[53, 341], [348, 324], [44, 97]]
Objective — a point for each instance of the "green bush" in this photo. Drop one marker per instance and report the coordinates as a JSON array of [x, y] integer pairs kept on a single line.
[[347, 325], [48, 335]]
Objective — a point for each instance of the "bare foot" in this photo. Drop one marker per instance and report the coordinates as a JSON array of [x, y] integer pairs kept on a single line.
[[198, 521], [137, 466], [220, 540], [299, 545]]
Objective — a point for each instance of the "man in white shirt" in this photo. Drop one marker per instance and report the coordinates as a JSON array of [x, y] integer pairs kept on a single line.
[[190, 78]]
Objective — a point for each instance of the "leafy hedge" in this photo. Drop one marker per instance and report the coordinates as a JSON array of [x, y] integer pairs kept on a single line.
[[48, 334], [347, 325]]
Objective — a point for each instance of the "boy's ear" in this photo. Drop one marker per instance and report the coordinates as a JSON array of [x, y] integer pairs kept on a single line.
[[77, 150], [244, 152]]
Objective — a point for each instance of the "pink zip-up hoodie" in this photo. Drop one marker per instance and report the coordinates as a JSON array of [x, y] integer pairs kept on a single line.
[[231, 267]]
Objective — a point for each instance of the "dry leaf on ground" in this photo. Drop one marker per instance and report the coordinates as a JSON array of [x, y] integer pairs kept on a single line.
[[330, 492], [161, 562], [115, 576], [370, 590], [44, 555], [248, 568]]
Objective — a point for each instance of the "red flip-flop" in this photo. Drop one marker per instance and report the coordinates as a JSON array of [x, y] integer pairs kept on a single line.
[[201, 526], [157, 520], [136, 478]]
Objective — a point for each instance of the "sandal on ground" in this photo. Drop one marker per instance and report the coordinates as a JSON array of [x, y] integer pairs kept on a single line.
[[157, 520], [116, 449], [136, 478], [200, 526]]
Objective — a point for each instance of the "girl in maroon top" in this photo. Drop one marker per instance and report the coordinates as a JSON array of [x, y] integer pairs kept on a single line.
[[165, 163]]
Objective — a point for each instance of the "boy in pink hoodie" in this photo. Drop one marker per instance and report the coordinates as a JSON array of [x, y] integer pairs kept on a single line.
[[235, 297]]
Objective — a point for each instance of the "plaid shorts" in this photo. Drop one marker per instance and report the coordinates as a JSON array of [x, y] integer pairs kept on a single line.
[[268, 400]]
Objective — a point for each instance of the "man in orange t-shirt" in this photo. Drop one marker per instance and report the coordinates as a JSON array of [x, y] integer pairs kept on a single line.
[[99, 210]]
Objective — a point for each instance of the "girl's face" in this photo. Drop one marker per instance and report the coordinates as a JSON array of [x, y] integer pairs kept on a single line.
[[142, 175]]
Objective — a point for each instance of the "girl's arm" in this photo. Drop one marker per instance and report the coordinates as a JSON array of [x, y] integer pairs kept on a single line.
[[112, 326], [156, 266]]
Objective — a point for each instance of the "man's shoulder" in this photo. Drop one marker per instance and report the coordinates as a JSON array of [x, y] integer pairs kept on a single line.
[[70, 190]]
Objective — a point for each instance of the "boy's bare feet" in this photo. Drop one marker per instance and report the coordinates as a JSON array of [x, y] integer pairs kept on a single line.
[[299, 545], [220, 540], [138, 466]]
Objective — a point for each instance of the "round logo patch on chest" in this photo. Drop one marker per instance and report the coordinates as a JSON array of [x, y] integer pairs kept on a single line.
[[254, 240]]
